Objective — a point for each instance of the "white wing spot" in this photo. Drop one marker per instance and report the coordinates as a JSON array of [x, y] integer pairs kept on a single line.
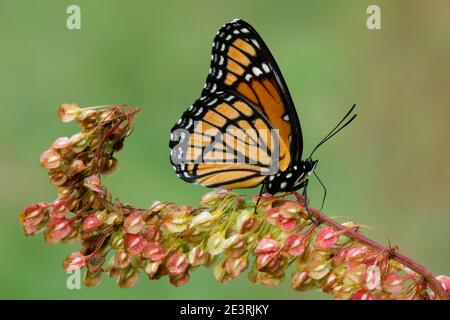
[[214, 87], [283, 185], [189, 124], [286, 117], [248, 76], [219, 74], [221, 60], [245, 30], [199, 112], [256, 71], [212, 102], [288, 175], [255, 43], [228, 37], [265, 67], [223, 47]]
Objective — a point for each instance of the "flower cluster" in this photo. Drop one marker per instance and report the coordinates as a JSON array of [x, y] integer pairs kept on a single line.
[[276, 237]]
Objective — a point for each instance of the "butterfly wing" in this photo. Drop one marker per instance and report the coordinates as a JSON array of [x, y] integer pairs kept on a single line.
[[221, 141], [242, 63], [244, 93]]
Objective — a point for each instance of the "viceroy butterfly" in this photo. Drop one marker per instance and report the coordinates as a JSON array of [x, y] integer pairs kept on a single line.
[[244, 94]]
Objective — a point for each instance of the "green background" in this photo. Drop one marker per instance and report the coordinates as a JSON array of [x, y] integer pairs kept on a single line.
[[389, 170]]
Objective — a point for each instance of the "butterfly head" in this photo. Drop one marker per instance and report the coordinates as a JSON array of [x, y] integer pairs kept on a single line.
[[309, 165], [292, 179]]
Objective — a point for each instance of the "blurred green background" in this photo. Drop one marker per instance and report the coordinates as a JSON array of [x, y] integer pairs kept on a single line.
[[389, 170]]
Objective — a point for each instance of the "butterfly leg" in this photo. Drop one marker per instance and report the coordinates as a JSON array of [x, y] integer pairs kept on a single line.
[[305, 196], [304, 185], [259, 197]]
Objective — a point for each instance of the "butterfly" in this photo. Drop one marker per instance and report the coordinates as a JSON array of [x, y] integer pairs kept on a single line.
[[244, 130]]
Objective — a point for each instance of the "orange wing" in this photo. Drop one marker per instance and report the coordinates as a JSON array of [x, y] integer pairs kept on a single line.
[[242, 64], [219, 141]]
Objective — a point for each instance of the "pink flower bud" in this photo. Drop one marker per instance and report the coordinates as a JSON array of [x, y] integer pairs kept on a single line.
[[326, 238], [234, 266], [134, 223], [272, 216], [318, 269], [59, 208], [32, 216], [134, 243], [265, 259], [362, 295], [291, 209], [58, 228], [153, 251], [76, 166], [61, 143], [30, 227], [177, 264], [90, 223], [179, 280], [153, 269], [177, 220], [445, 281], [235, 241], [286, 224], [267, 245], [295, 244], [93, 182], [77, 138], [341, 256], [122, 259], [199, 256], [246, 221], [299, 279], [392, 283], [68, 112], [356, 272], [57, 178], [74, 262], [50, 159], [213, 198], [153, 233], [356, 253]]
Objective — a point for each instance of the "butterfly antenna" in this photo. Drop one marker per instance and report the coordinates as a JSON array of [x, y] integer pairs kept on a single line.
[[336, 129], [324, 190]]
